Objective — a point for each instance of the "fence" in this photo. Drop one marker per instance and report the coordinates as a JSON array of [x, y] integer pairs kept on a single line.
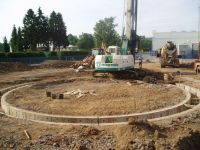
[[38, 60]]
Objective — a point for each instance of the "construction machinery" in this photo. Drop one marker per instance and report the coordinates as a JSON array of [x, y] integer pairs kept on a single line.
[[197, 62], [121, 60], [168, 55]]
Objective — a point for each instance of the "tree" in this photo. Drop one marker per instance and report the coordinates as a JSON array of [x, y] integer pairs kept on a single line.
[[13, 40], [86, 41], [53, 28], [73, 40], [30, 29], [144, 43], [105, 33], [6, 46], [58, 30], [66, 42], [62, 31], [19, 40], [42, 29], [1, 47]]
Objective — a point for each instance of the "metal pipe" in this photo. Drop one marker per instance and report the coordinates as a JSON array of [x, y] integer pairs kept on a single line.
[[136, 10], [199, 34]]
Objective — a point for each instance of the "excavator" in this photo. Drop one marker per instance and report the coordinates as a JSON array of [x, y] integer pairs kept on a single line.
[[121, 60]]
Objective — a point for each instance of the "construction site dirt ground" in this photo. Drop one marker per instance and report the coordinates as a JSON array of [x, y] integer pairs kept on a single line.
[[182, 133]]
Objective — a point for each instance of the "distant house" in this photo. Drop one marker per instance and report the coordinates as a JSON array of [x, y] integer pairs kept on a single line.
[[72, 48], [186, 42], [68, 48]]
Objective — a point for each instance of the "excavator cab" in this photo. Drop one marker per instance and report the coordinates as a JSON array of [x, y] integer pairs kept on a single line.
[[113, 50]]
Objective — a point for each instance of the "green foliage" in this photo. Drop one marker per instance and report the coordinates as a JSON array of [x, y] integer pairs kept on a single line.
[[30, 29], [6, 46], [145, 43], [39, 31], [22, 54], [52, 54], [42, 29], [73, 40], [70, 53], [57, 30], [2, 55], [35, 54], [16, 54], [86, 41], [19, 40], [105, 33], [13, 40], [1, 47], [40, 54]]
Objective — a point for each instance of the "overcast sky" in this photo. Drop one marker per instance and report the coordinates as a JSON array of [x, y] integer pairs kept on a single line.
[[81, 15]]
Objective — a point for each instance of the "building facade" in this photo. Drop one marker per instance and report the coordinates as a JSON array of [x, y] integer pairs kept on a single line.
[[186, 42]]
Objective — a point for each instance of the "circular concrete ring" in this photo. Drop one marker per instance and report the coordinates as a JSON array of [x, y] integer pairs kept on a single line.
[[88, 120], [189, 89]]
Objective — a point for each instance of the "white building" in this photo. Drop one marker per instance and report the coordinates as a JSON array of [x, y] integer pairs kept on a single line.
[[186, 41]]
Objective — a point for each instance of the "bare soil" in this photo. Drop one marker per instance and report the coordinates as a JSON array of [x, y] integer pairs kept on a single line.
[[13, 66], [180, 134], [110, 98]]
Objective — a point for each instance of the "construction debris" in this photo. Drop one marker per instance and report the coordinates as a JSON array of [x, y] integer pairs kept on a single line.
[[130, 83], [2, 113], [114, 80], [168, 77], [149, 79], [27, 134], [86, 62], [80, 69], [78, 93]]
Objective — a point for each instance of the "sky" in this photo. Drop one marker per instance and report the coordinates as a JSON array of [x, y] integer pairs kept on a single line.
[[80, 16]]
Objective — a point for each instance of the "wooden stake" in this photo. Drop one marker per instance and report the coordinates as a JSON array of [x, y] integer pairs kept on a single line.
[[27, 134]]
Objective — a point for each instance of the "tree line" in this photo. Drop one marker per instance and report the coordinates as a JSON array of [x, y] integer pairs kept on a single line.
[[40, 32]]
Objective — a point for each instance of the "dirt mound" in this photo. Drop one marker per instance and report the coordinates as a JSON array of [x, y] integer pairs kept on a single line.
[[89, 131], [190, 142], [187, 65], [13, 66], [55, 64]]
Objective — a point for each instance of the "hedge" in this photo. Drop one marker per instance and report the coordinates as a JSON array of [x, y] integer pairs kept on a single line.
[[70, 53], [2, 54], [25, 54], [35, 54], [42, 54], [52, 54]]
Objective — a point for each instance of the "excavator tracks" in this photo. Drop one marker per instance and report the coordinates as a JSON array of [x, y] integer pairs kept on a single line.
[[126, 74]]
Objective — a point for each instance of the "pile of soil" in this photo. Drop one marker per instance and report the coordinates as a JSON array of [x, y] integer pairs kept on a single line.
[[6, 67], [190, 142], [187, 65], [55, 64]]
